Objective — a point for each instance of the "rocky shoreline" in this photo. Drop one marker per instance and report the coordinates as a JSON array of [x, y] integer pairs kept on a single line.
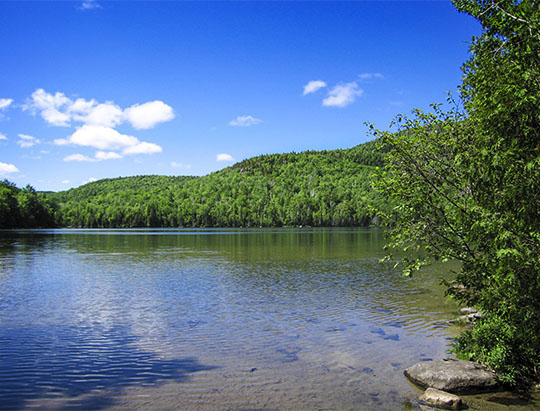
[[444, 379]]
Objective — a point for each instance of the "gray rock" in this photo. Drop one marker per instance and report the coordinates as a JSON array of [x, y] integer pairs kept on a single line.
[[452, 375], [467, 310], [442, 399], [470, 317], [460, 288]]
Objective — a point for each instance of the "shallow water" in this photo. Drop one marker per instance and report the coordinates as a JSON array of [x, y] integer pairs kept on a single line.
[[212, 319]]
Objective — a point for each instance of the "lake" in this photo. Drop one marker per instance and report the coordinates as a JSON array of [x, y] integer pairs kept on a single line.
[[213, 319]]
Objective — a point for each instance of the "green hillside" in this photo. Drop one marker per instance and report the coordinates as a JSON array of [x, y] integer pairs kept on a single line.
[[317, 188]]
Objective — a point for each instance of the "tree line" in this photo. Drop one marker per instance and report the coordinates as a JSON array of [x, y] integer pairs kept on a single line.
[[313, 188]]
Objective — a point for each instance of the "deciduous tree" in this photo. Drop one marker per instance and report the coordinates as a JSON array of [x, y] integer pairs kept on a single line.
[[467, 187]]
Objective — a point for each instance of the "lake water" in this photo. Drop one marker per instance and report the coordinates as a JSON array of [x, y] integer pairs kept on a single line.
[[212, 319]]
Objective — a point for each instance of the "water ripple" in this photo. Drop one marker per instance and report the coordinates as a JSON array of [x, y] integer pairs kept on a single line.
[[45, 363], [277, 319]]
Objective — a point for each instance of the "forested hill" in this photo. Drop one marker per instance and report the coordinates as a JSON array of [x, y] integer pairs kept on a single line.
[[316, 188]]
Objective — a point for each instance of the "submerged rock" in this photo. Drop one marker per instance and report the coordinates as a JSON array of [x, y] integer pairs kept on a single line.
[[442, 399], [452, 375]]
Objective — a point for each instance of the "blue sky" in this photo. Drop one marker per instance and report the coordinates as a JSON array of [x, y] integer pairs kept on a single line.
[[97, 89]]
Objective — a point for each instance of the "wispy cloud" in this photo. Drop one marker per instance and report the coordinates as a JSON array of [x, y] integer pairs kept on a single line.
[[98, 156], [65, 181], [106, 155], [2, 137], [313, 86], [26, 141], [143, 148], [90, 180], [180, 166], [370, 76], [89, 5], [5, 103], [6, 169], [342, 95], [78, 157], [224, 157], [244, 121]]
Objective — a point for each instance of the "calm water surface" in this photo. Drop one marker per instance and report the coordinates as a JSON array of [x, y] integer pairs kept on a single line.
[[212, 319]]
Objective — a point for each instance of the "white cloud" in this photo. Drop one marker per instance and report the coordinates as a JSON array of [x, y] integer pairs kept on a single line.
[[26, 141], [78, 157], [342, 95], [147, 115], [313, 86], [49, 106], [106, 138], [59, 110], [98, 156], [224, 157], [143, 148], [98, 124], [5, 102], [65, 181], [55, 117], [107, 115], [244, 121], [371, 76], [80, 107], [90, 180], [2, 137], [6, 169], [182, 166], [103, 138], [107, 155], [89, 5]]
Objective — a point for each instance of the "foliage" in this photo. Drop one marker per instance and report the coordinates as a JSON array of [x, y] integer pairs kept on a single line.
[[424, 180], [316, 188], [468, 188], [24, 208]]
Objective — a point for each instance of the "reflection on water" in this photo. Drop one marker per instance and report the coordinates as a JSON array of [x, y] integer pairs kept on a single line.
[[212, 319]]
